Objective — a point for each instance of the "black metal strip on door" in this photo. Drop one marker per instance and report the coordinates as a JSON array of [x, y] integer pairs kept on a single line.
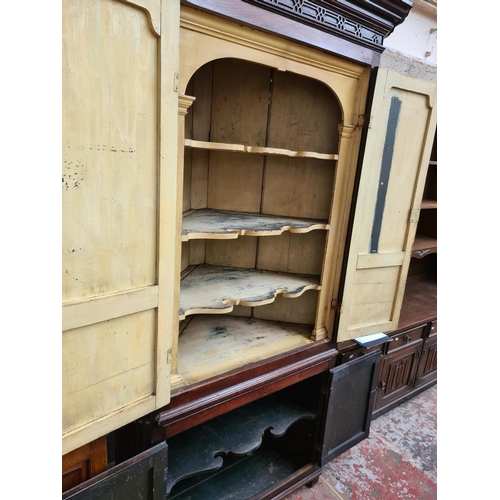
[[385, 172]]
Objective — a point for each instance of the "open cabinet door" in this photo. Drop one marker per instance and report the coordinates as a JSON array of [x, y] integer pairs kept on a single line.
[[119, 177], [141, 477], [398, 147], [348, 407]]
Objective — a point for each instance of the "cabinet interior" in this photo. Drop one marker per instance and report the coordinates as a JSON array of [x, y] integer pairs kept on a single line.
[[252, 448], [420, 300], [259, 163], [424, 255]]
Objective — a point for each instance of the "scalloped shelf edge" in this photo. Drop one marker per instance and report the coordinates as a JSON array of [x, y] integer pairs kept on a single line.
[[228, 304], [234, 234], [216, 461]]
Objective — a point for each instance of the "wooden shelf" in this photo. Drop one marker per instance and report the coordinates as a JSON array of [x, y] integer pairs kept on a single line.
[[423, 246], [240, 148], [428, 204], [238, 433], [217, 289], [213, 344], [419, 303], [216, 224]]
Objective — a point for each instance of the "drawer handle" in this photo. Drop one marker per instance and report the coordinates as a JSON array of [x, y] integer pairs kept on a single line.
[[407, 338]]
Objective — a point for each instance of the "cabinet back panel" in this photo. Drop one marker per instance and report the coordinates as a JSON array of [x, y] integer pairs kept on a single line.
[[304, 115], [292, 253], [240, 102], [430, 191], [427, 223], [297, 187], [235, 181], [288, 252], [301, 310], [240, 252]]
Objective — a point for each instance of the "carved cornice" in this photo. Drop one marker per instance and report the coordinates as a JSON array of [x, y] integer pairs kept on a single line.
[[364, 22]]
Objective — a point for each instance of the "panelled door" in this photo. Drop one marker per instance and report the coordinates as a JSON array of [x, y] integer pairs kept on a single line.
[[349, 403], [118, 211], [398, 147]]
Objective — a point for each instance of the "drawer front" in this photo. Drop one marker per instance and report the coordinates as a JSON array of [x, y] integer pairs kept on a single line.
[[433, 329], [408, 337], [357, 352]]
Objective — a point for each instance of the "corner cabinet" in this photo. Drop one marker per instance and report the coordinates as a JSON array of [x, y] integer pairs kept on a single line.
[[211, 261], [268, 145]]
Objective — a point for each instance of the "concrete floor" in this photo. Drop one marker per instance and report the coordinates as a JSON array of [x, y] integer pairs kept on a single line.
[[398, 461]]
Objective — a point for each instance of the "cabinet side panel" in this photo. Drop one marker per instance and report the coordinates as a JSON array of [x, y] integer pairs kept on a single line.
[[201, 113], [110, 148], [187, 182]]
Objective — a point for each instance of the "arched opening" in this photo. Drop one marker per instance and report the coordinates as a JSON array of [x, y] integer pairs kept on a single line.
[[259, 163]]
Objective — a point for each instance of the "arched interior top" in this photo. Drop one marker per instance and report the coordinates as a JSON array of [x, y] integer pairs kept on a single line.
[[242, 102]]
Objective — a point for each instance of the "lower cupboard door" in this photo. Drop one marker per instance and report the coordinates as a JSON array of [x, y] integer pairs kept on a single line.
[[348, 406], [141, 477]]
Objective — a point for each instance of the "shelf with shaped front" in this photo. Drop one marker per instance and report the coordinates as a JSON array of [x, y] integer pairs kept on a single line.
[[423, 265], [260, 156], [247, 450], [426, 238]]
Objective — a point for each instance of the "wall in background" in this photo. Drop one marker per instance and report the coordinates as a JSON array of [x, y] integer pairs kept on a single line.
[[416, 37]]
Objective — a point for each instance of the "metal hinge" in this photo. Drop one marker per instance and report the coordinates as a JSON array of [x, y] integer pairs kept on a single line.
[[414, 215], [365, 120], [335, 306], [317, 448], [176, 82], [169, 356]]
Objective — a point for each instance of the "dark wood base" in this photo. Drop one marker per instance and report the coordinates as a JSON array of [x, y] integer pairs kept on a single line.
[[385, 409]]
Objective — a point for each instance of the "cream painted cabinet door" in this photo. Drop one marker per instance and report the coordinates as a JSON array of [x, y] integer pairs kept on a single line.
[[398, 147], [119, 214]]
